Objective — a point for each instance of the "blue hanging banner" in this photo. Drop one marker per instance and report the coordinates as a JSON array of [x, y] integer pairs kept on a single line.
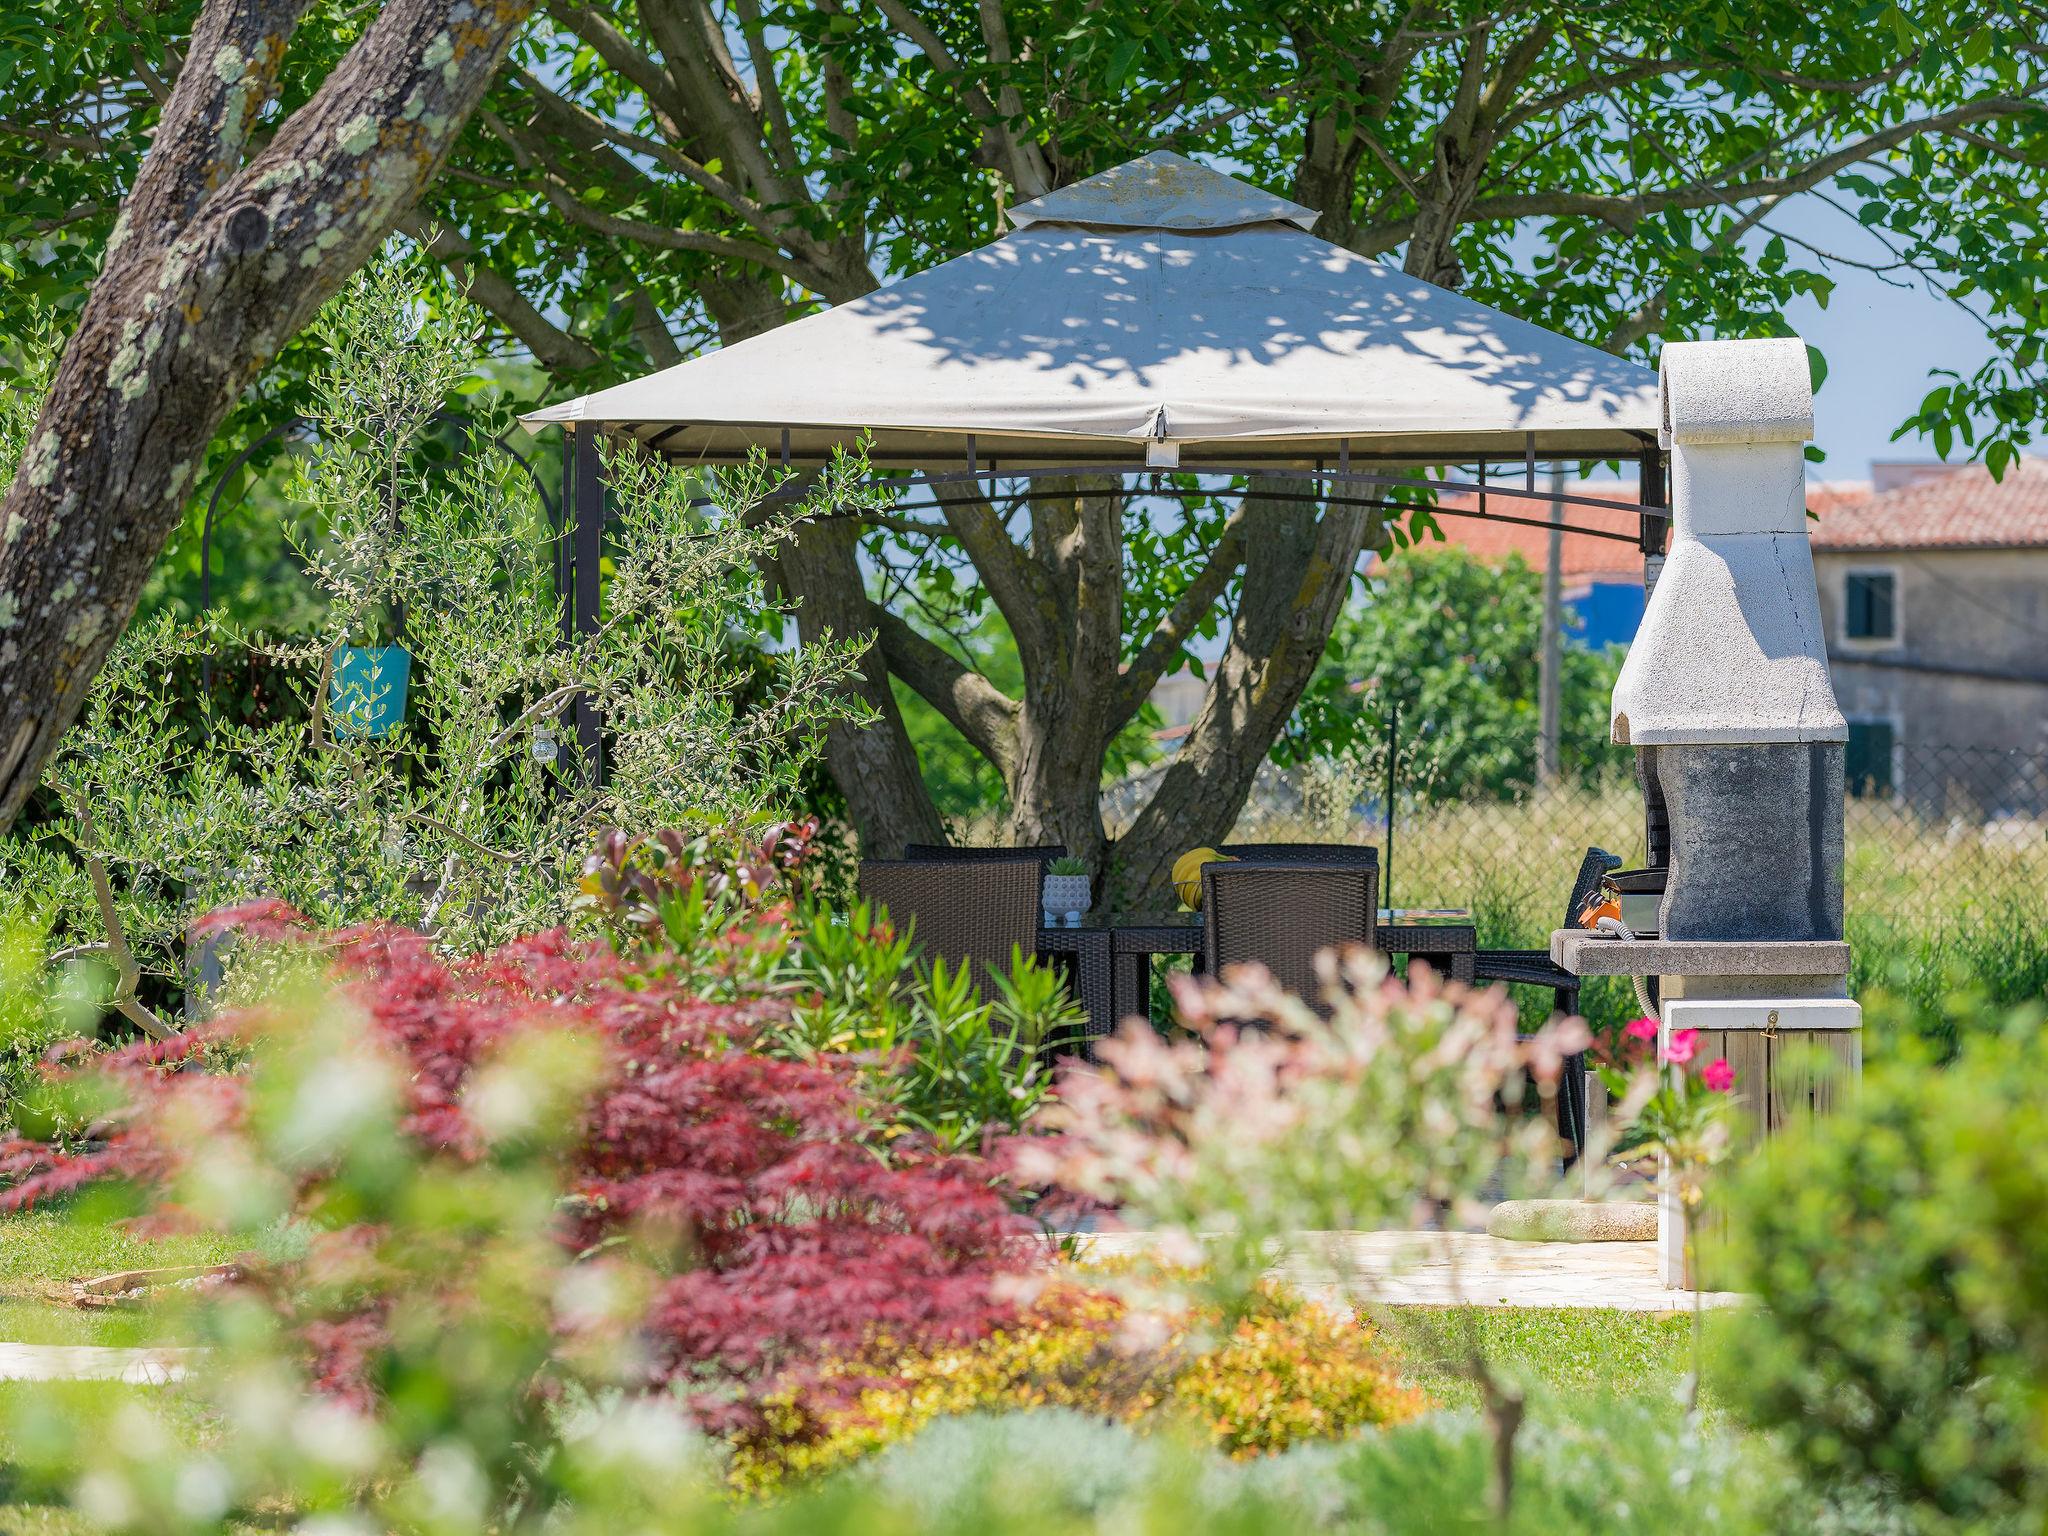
[[367, 697]]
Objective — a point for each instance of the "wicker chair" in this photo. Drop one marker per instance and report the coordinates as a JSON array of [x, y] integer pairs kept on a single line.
[[964, 912], [1283, 914], [1535, 968]]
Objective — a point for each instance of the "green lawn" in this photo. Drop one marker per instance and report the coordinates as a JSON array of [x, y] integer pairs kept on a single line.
[[1566, 1356], [45, 1250], [42, 1250], [1567, 1353]]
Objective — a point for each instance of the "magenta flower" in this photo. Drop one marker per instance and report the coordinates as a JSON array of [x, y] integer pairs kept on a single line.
[[1641, 1029], [1679, 1051], [1718, 1075]]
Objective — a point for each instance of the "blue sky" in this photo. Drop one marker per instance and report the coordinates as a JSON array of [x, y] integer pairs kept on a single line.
[[1881, 341]]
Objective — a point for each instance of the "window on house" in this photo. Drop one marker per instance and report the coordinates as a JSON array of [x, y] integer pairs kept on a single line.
[[1870, 605], [1867, 763]]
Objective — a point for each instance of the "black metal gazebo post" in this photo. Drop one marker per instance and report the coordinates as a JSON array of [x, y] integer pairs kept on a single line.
[[581, 598]]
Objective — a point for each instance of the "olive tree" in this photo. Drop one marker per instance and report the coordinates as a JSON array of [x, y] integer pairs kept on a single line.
[[438, 788]]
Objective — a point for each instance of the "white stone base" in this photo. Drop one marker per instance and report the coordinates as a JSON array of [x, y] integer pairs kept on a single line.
[[1727, 1003]]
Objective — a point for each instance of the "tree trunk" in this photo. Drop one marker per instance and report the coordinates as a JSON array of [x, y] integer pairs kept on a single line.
[[212, 267], [1297, 576], [874, 765], [1064, 727]]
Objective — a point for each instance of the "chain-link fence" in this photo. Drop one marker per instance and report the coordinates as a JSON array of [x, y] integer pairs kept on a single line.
[[1946, 879], [1954, 833]]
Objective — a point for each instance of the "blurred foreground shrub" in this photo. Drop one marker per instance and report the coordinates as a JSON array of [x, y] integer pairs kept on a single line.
[[1286, 1371], [1900, 1253], [731, 1216]]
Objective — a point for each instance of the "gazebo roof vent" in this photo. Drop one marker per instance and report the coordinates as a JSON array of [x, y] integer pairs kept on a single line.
[[1162, 190]]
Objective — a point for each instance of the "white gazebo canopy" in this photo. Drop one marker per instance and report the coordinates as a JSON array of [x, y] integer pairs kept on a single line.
[[1158, 312]]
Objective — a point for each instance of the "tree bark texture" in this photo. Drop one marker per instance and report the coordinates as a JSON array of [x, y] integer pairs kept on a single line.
[[217, 260], [1298, 566]]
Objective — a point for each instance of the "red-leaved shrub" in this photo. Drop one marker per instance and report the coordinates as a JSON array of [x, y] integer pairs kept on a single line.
[[786, 1237]]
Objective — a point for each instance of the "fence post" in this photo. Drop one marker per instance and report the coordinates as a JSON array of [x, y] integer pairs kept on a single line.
[[1387, 809]]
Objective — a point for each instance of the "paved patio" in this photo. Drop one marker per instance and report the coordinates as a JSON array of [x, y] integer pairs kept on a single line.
[[1396, 1269], [1435, 1269]]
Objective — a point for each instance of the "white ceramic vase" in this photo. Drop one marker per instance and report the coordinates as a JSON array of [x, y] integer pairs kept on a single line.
[[1065, 899]]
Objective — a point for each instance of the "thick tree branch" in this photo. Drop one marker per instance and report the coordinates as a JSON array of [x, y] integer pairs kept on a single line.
[[594, 130], [650, 329], [1016, 583], [719, 104], [597, 29], [970, 703], [1029, 173], [1195, 602], [781, 137], [534, 157], [552, 347], [1023, 160], [1625, 211], [214, 266], [203, 130]]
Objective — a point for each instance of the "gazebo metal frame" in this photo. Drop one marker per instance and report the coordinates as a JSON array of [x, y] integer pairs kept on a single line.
[[586, 514]]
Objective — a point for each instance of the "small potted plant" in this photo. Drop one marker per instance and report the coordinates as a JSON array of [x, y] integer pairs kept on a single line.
[[1066, 892]]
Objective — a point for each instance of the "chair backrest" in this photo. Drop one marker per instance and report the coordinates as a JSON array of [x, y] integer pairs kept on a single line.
[[1283, 914], [945, 853], [1344, 854], [1598, 862], [973, 913]]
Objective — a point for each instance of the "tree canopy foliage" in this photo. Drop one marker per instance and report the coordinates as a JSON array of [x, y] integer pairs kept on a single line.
[[1453, 644], [648, 177]]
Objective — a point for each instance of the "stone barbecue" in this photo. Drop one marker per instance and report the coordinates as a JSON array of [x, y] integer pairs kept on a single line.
[[1726, 698], [1725, 693]]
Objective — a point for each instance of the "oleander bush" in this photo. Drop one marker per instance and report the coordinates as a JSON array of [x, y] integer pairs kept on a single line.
[[939, 1061], [1269, 1129], [1283, 1372]]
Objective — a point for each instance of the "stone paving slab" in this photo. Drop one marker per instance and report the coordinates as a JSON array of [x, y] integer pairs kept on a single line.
[[1435, 1269], [91, 1362]]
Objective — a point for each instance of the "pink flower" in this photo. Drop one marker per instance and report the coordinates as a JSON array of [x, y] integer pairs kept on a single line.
[[1641, 1029], [1718, 1076], [1679, 1051]]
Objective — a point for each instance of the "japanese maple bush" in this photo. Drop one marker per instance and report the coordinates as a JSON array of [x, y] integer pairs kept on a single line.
[[734, 1207]]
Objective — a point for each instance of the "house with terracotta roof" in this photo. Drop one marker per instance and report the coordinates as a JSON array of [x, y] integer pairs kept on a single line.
[[1934, 595], [1601, 568], [1934, 598]]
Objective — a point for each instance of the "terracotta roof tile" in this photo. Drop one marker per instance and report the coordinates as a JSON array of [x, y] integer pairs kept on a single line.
[[1584, 557], [1965, 510]]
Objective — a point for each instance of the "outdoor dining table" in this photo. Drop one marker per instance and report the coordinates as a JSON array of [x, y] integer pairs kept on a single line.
[[1113, 954]]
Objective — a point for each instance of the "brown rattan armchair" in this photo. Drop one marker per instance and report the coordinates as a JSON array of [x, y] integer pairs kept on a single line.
[[964, 912], [1283, 914]]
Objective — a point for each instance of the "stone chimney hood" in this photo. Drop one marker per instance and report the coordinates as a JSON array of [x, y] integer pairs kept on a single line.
[[1730, 650]]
